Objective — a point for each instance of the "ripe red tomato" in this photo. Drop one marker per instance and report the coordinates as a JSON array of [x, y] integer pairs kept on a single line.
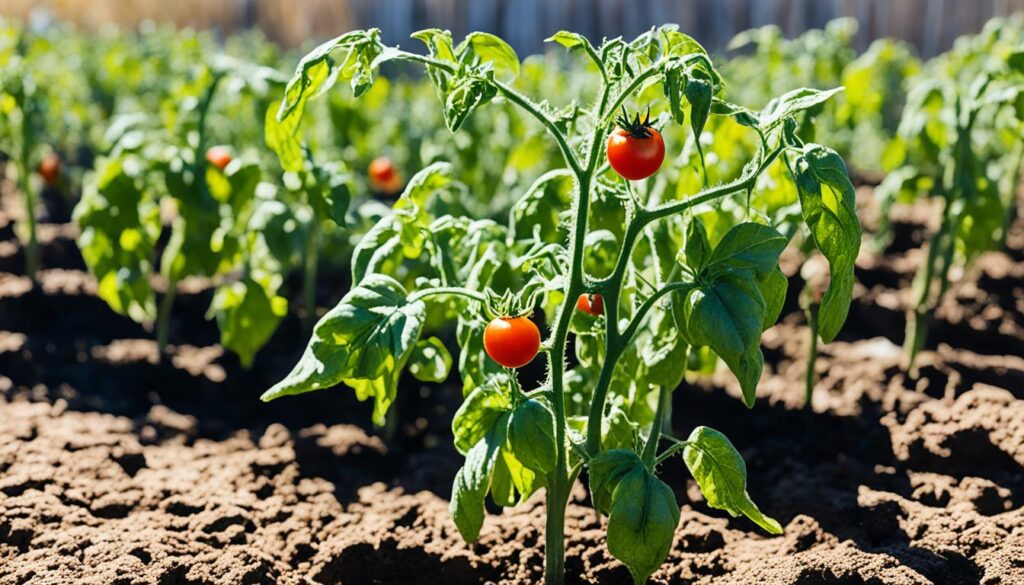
[[49, 169], [592, 304], [219, 156], [512, 341], [635, 149], [384, 177]]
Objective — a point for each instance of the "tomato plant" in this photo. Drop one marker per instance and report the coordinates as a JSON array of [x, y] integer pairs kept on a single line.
[[162, 180], [960, 141], [694, 288]]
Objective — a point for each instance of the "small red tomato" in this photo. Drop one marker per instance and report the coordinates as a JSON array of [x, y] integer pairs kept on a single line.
[[635, 149], [592, 304], [219, 156], [49, 169], [512, 341], [384, 177]]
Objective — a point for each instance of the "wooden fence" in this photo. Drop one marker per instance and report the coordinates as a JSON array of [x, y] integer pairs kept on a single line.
[[931, 25]]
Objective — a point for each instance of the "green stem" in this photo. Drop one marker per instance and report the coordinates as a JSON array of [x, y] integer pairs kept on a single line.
[[554, 531], [163, 319], [517, 98], [447, 291], [917, 323], [653, 71], [545, 119], [677, 446], [650, 452], [309, 282], [812, 354], [741, 184], [32, 250]]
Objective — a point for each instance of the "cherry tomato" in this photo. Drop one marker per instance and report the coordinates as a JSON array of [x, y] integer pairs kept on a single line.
[[512, 341], [592, 304], [635, 149], [49, 169], [219, 156], [384, 177]]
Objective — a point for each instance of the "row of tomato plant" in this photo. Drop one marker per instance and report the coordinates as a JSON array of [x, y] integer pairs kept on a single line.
[[627, 196]]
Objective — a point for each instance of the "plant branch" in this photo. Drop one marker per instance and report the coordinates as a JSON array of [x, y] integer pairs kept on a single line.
[[645, 308], [676, 447], [446, 291], [743, 183]]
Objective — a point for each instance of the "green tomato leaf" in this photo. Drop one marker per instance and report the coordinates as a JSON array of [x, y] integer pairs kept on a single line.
[[364, 341], [531, 436], [480, 411], [474, 480], [606, 471], [642, 523], [792, 103], [618, 431], [828, 206], [747, 246], [522, 482], [539, 209], [698, 93], [281, 136], [697, 249], [430, 360], [493, 49], [247, 314], [569, 40], [679, 44], [465, 96], [728, 315], [722, 476], [120, 225], [743, 116], [380, 251], [319, 70], [773, 286]]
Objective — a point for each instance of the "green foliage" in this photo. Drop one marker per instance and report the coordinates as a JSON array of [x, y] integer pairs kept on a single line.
[[578, 229], [722, 476], [364, 341]]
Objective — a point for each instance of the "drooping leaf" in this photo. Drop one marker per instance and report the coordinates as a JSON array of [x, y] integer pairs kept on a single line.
[[829, 210], [120, 225], [540, 208], [698, 94], [722, 476], [364, 341], [728, 316], [531, 436], [479, 412], [473, 481], [606, 470], [642, 523], [247, 314]]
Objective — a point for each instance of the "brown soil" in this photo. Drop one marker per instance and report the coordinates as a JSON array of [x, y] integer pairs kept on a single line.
[[117, 467]]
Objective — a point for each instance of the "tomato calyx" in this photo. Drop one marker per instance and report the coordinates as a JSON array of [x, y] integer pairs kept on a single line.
[[635, 127]]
